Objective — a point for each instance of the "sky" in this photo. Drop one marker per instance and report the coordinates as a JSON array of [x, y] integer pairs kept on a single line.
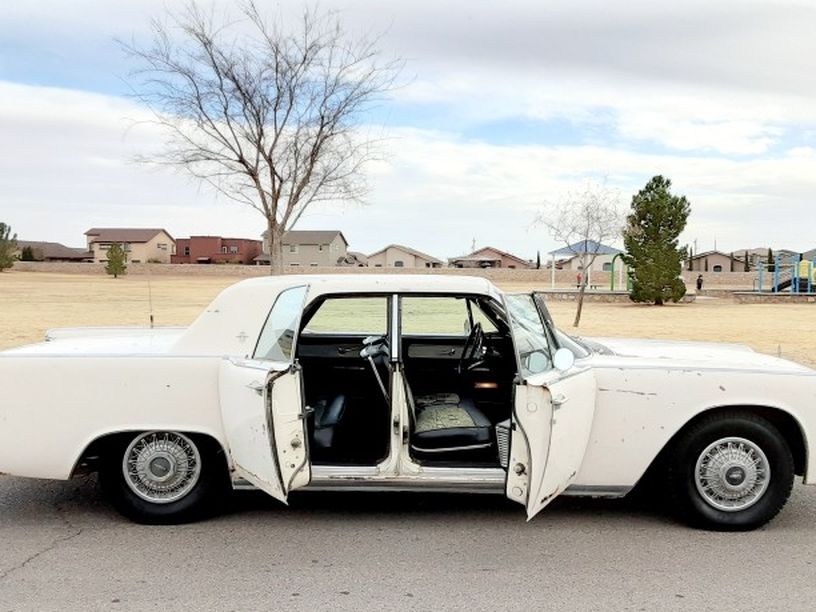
[[504, 109]]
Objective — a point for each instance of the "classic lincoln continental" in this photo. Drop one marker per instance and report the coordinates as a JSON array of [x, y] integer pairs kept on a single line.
[[421, 383]]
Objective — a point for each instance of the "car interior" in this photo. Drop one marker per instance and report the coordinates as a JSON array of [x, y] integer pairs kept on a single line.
[[458, 366]]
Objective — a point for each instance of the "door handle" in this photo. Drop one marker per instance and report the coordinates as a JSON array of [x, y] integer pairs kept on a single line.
[[559, 400], [256, 387]]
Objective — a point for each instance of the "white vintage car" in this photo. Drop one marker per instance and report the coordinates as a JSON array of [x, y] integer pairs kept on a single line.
[[421, 383]]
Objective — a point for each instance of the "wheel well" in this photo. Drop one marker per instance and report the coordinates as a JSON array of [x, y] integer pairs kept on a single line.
[[89, 458], [787, 425]]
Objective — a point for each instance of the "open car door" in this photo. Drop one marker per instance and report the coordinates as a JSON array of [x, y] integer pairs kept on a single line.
[[262, 405], [552, 413]]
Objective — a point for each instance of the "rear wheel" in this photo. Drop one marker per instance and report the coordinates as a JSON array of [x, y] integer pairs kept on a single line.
[[730, 472], [164, 477]]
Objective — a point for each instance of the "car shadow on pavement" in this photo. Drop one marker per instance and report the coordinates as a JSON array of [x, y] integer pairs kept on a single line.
[[29, 501], [385, 506]]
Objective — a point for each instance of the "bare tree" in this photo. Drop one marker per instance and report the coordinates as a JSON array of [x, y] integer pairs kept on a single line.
[[268, 116], [583, 221]]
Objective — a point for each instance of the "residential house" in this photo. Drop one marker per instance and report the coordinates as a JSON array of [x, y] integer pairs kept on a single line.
[[309, 248], [715, 261], [759, 256], [141, 245], [52, 251], [575, 256], [489, 257], [215, 249], [399, 256]]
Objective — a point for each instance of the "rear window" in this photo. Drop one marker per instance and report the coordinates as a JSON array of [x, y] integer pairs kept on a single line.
[[353, 316]]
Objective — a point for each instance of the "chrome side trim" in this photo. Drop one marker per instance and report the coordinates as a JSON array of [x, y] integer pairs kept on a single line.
[[597, 490], [431, 480], [452, 448]]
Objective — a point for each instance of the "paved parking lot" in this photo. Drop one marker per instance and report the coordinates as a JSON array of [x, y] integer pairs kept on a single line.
[[64, 548]]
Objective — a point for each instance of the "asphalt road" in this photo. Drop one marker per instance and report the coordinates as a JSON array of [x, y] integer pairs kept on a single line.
[[63, 548]]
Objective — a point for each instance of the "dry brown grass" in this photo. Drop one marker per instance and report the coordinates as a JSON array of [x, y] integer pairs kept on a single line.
[[31, 303]]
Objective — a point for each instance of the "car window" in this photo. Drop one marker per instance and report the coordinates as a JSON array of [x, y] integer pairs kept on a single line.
[[529, 335], [278, 333], [441, 316], [364, 316]]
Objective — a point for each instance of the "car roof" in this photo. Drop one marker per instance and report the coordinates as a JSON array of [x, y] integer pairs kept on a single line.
[[379, 283]]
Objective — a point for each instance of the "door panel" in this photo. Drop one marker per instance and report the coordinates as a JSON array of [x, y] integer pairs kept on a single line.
[[261, 408], [552, 424]]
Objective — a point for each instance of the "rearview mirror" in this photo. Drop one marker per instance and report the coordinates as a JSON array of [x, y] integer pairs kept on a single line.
[[563, 359]]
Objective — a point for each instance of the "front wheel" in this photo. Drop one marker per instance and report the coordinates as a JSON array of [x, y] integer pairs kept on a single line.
[[730, 472], [164, 477]]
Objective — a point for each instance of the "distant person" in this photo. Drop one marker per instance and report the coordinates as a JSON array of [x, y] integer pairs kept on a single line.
[[699, 282], [578, 279]]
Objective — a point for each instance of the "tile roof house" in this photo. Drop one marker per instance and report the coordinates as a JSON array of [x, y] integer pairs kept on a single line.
[[215, 249], [141, 245], [715, 261], [52, 251], [309, 248], [489, 257], [399, 256]]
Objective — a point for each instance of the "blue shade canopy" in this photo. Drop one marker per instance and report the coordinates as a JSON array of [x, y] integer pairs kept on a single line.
[[586, 246]]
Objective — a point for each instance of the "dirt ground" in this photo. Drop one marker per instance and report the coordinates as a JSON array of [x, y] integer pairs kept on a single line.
[[32, 302]]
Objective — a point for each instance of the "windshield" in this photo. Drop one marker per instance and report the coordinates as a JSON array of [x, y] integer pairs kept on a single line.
[[529, 334]]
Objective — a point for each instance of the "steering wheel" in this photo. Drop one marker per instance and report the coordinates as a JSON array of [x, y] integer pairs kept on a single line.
[[472, 348]]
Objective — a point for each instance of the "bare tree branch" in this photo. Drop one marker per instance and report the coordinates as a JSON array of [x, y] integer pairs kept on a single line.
[[266, 116], [583, 222]]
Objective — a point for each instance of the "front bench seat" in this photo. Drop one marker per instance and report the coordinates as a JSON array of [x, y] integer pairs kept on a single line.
[[448, 423]]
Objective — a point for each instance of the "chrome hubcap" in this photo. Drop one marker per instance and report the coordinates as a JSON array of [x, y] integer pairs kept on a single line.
[[161, 467], [732, 474]]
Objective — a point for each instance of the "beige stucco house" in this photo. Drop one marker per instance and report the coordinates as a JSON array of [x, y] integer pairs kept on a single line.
[[399, 256], [141, 245], [716, 261], [489, 257], [309, 248]]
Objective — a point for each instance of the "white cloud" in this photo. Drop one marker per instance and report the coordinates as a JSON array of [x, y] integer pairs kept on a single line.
[[724, 85]]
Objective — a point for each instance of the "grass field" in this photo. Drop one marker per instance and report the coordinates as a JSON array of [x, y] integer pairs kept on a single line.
[[32, 302]]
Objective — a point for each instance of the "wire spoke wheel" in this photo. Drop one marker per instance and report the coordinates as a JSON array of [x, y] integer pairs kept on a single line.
[[732, 474], [161, 467]]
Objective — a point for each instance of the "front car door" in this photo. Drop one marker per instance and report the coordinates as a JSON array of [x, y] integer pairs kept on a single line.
[[262, 404], [552, 413]]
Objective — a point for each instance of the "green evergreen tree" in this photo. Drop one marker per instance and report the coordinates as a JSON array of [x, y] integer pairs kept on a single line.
[[538, 260], [116, 261], [771, 264], [8, 246], [27, 254], [651, 241], [746, 263]]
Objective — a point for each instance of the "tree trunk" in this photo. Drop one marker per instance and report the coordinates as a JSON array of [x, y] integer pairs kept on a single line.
[[581, 291], [275, 247]]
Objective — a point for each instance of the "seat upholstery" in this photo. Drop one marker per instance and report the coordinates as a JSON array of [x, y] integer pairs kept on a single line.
[[447, 422], [326, 418]]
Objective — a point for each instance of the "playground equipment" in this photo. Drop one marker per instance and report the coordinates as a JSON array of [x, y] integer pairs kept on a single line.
[[796, 275], [620, 274]]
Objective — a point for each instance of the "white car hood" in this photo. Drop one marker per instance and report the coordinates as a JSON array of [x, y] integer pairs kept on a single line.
[[103, 341], [708, 355]]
